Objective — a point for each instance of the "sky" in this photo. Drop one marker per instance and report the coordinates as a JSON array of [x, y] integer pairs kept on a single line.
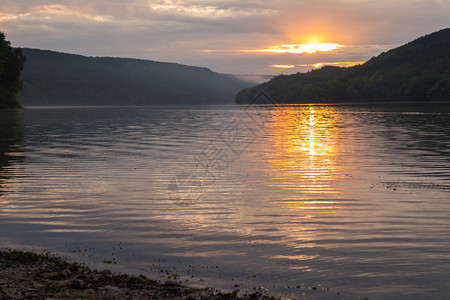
[[227, 36]]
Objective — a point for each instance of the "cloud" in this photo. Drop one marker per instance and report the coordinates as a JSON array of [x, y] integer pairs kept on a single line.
[[178, 30]]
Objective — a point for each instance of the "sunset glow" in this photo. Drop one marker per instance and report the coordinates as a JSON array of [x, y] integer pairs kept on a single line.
[[319, 65], [338, 64], [298, 48], [283, 66]]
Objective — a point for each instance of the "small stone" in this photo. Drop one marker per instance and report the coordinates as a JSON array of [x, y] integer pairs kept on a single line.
[[49, 275], [78, 284], [38, 285], [66, 273], [11, 292], [97, 277], [3, 281]]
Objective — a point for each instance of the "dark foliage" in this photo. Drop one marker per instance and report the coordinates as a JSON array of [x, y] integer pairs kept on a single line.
[[417, 71], [11, 64], [52, 78]]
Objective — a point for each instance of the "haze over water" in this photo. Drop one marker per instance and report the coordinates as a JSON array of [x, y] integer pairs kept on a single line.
[[348, 199]]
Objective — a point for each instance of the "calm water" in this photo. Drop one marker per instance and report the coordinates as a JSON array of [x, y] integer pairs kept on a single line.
[[349, 199]]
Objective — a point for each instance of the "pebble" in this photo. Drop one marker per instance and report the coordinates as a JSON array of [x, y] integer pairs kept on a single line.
[[78, 284], [66, 273], [50, 275]]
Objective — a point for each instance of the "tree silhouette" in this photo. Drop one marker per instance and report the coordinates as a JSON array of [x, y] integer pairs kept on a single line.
[[11, 64]]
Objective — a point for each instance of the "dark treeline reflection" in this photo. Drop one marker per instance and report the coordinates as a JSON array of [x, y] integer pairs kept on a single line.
[[11, 144], [419, 130]]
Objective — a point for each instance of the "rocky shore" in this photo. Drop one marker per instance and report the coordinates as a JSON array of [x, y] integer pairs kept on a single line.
[[26, 275]]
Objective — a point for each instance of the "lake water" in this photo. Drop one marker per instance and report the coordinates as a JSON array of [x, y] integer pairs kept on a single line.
[[320, 201]]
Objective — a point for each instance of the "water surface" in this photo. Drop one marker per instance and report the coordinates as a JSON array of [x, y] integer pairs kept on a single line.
[[350, 200]]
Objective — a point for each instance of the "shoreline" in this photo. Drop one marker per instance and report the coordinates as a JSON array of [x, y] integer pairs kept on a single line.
[[27, 275]]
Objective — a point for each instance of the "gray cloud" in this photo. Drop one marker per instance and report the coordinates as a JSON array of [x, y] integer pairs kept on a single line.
[[177, 30]]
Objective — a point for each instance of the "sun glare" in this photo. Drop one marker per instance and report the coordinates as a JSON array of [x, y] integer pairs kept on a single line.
[[283, 66], [298, 48], [321, 64], [337, 64]]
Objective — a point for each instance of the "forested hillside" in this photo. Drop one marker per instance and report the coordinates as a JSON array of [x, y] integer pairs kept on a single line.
[[417, 71], [52, 78]]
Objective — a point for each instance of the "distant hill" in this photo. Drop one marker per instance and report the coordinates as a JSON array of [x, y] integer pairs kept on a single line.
[[417, 71], [253, 78], [53, 78]]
